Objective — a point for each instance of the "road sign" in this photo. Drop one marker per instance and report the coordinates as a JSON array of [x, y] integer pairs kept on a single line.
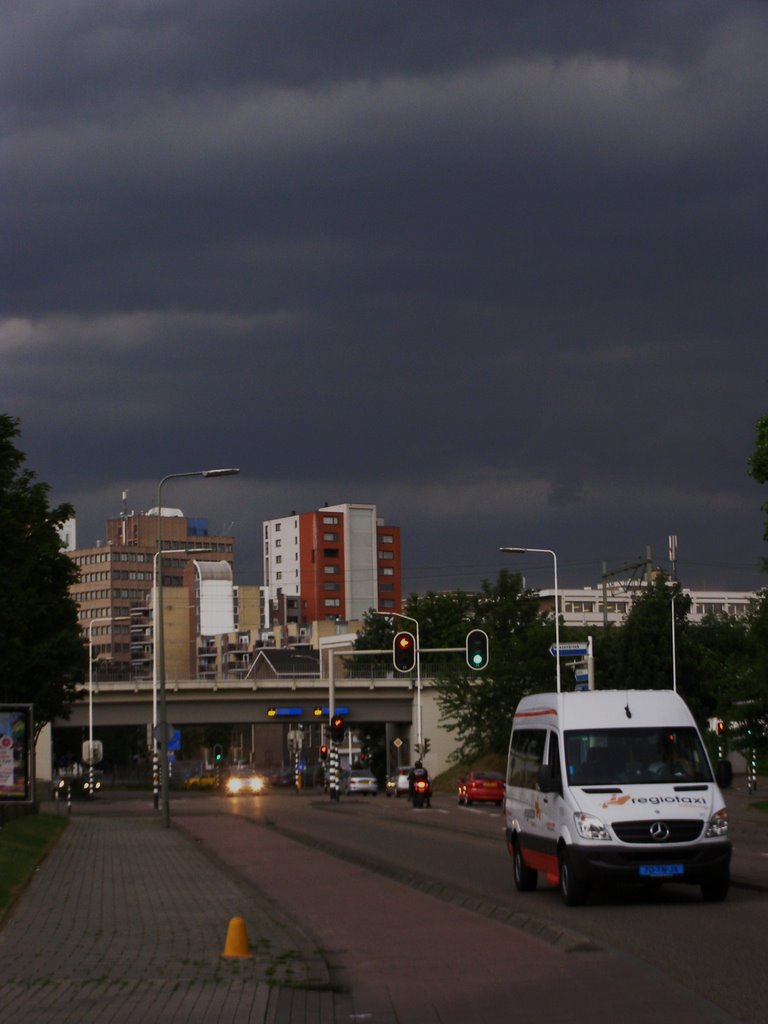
[[92, 752], [571, 650], [164, 732]]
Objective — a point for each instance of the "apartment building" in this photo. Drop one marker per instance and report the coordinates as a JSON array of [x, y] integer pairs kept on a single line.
[[115, 591], [334, 563]]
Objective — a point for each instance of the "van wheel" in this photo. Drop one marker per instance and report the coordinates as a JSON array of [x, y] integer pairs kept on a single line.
[[525, 878], [715, 889], [572, 889]]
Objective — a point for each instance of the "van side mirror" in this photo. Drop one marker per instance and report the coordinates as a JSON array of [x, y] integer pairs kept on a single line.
[[724, 773], [547, 781]]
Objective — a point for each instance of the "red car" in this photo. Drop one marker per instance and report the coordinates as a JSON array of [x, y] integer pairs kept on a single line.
[[481, 786]]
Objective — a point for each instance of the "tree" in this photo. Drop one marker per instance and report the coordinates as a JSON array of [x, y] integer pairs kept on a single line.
[[748, 713], [479, 708], [43, 652], [758, 468], [643, 656]]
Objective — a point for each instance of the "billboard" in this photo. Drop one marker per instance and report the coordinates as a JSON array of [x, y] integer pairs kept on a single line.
[[16, 747]]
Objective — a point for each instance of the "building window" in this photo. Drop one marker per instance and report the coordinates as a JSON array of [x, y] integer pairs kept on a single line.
[[331, 536], [386, 571], [387, 604], [332, 602], [331, 586], [331, 570], [386, 538], [386, 555], [330, 552], [330, 520]]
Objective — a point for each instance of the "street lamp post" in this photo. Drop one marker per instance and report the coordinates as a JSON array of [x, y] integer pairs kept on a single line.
[[546, 551], [91, 624], [159, 638], [155, 750]]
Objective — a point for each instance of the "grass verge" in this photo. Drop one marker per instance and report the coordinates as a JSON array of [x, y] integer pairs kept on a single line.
[[23, 844]]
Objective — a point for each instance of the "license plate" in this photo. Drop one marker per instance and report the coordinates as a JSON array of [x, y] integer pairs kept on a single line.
[[661, 870]]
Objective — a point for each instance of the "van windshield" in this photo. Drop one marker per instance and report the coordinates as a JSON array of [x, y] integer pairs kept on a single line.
[[596, 757]]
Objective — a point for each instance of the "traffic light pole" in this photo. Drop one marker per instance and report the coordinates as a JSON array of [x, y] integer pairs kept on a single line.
[[333, 758], [409, 618]]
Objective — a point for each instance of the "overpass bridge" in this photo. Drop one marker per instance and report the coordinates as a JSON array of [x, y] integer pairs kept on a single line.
[[273, 702], [207, 702]]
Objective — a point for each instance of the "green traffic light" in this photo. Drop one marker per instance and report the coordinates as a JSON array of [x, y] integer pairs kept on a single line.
[[477, 649]]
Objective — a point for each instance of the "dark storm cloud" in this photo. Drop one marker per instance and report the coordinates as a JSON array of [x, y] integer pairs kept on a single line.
[[503, 259]]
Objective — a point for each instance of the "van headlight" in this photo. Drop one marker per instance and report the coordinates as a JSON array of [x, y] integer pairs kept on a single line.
[[718, 824], [590, 827]]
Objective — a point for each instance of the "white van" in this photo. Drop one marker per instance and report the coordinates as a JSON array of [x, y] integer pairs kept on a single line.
[[613, 786]]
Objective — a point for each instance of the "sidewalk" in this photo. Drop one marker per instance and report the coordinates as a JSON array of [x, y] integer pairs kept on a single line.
[[126, 921]]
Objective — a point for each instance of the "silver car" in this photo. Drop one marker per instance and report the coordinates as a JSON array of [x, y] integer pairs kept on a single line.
[[360, 781]]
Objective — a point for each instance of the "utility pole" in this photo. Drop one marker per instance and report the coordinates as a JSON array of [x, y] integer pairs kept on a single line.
[[645, 564]]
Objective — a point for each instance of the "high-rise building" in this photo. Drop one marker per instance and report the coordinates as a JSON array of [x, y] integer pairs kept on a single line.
[[115, 591], [334, 563]]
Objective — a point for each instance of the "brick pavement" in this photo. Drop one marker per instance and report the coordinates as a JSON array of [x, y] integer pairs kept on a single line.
[[126, 921]]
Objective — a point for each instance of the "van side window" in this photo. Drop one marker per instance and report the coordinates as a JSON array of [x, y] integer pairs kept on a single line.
[[553, 757], [526, 753]]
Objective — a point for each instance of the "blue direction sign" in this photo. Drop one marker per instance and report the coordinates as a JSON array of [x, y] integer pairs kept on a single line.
[[572, 650]]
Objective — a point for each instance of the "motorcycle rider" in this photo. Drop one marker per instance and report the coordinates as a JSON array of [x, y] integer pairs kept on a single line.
[[420, 772]]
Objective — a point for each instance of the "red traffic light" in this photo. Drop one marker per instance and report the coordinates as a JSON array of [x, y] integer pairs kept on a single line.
[[323, 752], [404, 651], [338, 728]]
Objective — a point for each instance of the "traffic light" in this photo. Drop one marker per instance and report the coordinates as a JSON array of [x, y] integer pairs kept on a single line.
[[218, 753], [425, 746], [720, 727], [477, 649], [338, 728], [404, 652], [324, 752]]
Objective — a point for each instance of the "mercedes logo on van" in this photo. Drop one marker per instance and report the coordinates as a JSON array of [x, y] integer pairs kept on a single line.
[[659, 831]]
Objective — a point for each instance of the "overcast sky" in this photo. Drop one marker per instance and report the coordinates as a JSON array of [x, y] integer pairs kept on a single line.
[[497, 267]]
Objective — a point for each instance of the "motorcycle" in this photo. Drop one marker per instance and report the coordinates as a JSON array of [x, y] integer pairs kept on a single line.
[[422, 793]]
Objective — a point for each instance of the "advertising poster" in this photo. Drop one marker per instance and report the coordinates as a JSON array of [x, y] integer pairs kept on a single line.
[[15, 762]]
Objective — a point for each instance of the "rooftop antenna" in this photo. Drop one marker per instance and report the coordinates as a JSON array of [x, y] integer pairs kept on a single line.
[[124, 515]]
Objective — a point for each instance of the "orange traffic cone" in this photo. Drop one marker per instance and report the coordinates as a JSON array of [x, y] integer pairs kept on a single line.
[[237, 939]]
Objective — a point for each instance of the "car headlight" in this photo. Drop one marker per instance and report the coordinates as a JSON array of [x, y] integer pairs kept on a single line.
[[718, 824], [233, 786], [590, 827]]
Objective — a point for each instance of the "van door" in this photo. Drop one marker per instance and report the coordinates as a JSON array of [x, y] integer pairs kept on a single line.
[[551, 805]]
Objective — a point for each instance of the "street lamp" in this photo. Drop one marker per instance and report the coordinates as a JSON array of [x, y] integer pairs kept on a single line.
[[546, 551], [155, 764], [159, 639], [91, 624]]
